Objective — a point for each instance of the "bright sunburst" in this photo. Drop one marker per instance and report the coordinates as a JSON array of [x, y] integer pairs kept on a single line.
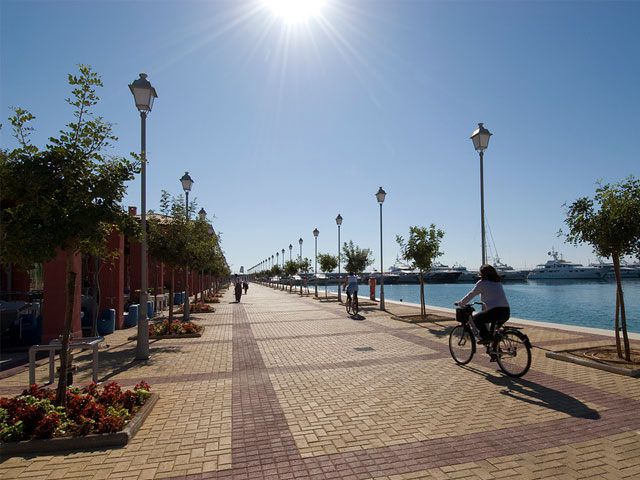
[[295, 11]]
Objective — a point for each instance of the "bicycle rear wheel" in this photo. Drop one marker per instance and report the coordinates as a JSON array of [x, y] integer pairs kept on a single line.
[[513, 353], [462, 344], [354, 306]]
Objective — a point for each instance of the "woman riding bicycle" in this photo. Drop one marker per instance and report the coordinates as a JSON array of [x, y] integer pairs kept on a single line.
[[351, 285], [496, 307]]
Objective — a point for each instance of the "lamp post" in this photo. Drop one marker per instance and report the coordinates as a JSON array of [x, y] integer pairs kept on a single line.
[[143, 94], [290, 249], [480, 142], [380, 197], [282, 267], [316, 232], [187, 182], [339, 222], [300, 242], [203, 218]]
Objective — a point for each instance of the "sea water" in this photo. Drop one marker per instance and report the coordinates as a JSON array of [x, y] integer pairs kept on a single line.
[[568, 302]]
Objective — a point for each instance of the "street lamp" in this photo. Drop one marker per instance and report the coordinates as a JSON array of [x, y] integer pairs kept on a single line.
[[143, 94], [283, 266], [187, 182], [300, 242], [290, 248], [339, 222], [316, 232], [380, 197], [480, 142], [203, 218]]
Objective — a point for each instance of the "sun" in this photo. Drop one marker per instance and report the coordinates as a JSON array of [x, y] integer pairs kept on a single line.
[[295, 11]]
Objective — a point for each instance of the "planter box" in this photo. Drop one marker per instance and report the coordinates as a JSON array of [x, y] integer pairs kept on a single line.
[[566, 356], [160, 337], [87, 442]]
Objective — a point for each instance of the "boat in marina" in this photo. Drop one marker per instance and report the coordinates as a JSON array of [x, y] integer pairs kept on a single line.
[[560, 269], [389, 278], [508, 273], [608, 272], [440, 273], [466, 276]]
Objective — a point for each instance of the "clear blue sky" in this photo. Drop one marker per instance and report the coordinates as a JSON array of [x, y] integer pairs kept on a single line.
[[283, 126]]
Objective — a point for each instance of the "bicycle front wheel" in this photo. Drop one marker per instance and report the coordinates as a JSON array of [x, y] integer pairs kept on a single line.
[[513, 354], [462, 344], [355, 307], [349, 302]]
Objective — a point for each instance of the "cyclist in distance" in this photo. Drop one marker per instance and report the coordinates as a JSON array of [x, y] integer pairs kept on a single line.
[[351, 285], [496, 307]]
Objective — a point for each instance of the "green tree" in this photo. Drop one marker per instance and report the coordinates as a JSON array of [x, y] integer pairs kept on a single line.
[[290, 269], [421, 249], [610, 223], [65, 197], [328, 263], [304, 267], [357, 259]]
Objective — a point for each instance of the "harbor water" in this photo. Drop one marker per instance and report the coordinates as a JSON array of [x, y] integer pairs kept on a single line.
[[567, 302]]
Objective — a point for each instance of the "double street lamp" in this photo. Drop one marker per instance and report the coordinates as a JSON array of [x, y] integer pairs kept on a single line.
[[187, 182], [339, 222], [380, 197], [480, 142], [316, 232], [143, 94]]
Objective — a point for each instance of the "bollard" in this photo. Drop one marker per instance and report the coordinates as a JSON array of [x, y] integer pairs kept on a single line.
[[372, 288]]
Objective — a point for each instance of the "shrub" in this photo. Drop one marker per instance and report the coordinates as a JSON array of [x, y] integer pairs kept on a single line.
[[32, 415], [174, 328]]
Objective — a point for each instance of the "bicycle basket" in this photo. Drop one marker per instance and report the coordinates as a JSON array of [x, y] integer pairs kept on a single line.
[[462, 313]]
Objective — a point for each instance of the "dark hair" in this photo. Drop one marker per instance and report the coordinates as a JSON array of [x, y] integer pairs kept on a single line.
[[351, 273], [487, 272]]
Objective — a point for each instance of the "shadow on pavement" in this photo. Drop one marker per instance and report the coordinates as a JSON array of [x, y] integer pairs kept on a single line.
[[536, 394]]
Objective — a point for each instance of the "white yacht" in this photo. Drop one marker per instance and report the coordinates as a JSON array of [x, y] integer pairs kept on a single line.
[[466, 276], [609, 273], [406, 275], [560, 269], [508, 273], [440, 273]]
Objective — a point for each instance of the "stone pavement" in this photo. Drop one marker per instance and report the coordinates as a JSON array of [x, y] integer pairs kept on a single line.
[[285, 387]]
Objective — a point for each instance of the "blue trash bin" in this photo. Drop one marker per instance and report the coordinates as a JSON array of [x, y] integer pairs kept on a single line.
[[149, 309], [107, 324], [132, 318]]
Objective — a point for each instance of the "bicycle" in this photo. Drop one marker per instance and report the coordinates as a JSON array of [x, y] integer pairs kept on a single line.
[[352, 304], [508, 346]]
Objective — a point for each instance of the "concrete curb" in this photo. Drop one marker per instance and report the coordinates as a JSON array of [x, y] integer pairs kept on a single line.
[[88, 442], [585, 362]]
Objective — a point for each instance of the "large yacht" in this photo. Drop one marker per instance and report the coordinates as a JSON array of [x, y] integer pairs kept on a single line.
[[406, 275], [560, 269], [440, 273], [508, 273], [609, 273]]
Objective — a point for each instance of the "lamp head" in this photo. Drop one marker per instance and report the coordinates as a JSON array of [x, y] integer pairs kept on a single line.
[[300, 242], [380, 195], [187, 181], [339, 220], [143, 93], [316, 232], [481, 138], [203, 214]]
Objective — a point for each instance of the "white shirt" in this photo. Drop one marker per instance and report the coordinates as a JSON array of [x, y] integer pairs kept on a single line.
[[491, 294]]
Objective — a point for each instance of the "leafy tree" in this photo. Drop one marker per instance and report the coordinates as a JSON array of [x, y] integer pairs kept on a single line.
[[358, 259], [65, 197], [328, 263], [304, 266], [290, 269], [421, 249], [610, 223]]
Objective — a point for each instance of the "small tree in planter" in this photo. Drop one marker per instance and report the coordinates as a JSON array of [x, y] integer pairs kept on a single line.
[[328, 263], [610, 223], [66, 197], [421, 249], [358, 259], [304, 266], [290, 269]]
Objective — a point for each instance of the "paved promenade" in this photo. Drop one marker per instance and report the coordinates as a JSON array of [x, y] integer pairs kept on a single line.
[[284, 387]]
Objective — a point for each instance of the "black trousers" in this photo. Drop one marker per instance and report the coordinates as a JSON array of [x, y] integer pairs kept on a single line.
[[498, 315]]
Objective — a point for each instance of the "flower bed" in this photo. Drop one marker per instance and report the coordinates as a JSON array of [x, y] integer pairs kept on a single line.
[[176, 327], [33, 415], [214, 299], [197, 308]]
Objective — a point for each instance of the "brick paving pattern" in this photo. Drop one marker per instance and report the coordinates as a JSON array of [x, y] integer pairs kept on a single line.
[[286, 387]]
